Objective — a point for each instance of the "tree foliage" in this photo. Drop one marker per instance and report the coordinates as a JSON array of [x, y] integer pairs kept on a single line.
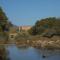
[[4, 23], [43, 25], [3, 17]]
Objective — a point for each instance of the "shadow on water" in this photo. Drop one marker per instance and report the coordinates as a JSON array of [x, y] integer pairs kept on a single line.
[[50, 54], [3, 53]]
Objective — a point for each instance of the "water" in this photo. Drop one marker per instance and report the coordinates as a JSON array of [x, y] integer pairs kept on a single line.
[[31, 53]]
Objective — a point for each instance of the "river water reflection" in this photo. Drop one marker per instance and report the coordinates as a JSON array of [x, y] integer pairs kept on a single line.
[[30, 53]]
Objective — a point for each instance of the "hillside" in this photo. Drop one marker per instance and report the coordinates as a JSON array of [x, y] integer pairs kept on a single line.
[[47, 26]]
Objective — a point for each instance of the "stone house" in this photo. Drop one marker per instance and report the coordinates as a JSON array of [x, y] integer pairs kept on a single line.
[[24, 28]]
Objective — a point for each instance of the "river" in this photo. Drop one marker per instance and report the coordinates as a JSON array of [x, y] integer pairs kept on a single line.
[[30, 53]]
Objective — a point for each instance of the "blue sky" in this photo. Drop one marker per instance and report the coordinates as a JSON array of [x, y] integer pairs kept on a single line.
[[27, 12]]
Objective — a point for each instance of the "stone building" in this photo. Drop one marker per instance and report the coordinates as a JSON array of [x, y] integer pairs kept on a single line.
[[24, 28]]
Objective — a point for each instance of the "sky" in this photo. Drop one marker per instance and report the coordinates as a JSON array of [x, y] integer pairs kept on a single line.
[[27, 12]]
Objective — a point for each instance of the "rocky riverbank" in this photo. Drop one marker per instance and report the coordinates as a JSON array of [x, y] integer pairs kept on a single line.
[[41, 42], [49, 43], [36, 41]]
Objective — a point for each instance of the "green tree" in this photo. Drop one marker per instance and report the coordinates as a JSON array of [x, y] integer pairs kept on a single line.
[[43, 25], [3, 19]]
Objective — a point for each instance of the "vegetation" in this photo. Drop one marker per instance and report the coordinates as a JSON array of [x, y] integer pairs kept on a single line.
[[4, 22], [5, 25], [46, 25], [4, 28]]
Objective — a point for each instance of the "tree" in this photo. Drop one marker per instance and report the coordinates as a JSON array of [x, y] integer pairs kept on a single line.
[[3, 19], [41, 26]]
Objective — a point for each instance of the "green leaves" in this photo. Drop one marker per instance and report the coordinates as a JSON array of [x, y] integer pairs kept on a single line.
[[3, 16], [3, 19], [42, 25]]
